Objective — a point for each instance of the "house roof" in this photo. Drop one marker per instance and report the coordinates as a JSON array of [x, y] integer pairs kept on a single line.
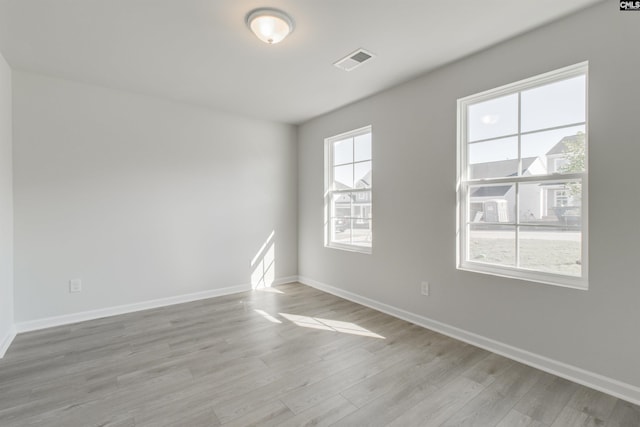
[[500, 168], [560, 147], [505, 168], [491, 191], [364, 182]]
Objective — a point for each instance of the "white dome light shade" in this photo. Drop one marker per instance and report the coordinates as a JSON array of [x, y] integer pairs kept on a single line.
[[270, 25]]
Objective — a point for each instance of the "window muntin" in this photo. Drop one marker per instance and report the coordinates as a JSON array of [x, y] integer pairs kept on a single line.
[[522, 152], [348, 184]]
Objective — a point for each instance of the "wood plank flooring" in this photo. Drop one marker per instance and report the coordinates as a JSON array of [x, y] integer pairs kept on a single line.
[[288, 356]]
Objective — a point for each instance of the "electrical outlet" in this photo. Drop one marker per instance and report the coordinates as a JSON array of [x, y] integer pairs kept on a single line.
[[424, 288], [75, 285]]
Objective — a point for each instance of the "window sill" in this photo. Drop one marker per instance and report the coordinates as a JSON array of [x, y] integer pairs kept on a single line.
[[350, 248], [572, 282]]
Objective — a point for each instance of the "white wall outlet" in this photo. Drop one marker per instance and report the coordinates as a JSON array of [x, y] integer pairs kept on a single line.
[[424, 288], [75, 285]]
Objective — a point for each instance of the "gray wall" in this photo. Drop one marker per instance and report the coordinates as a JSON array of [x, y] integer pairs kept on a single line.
[[141, 198], [6, 205], [414, 149]]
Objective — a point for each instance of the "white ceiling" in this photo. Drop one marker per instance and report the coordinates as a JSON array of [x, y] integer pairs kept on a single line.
[[201, 52]]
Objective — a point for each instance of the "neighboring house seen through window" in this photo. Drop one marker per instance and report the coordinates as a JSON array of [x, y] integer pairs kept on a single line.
[[522, 174], [348, 218]]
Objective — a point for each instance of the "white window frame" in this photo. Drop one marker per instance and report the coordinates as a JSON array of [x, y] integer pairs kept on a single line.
[[329, 191], [560, 197], [558, 163], [464, 182]]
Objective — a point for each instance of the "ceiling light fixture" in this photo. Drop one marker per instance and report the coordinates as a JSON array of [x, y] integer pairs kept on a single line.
[[270, 25]]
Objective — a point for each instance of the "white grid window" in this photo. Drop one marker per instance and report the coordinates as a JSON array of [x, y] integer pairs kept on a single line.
[[522, 174], [348, 185]]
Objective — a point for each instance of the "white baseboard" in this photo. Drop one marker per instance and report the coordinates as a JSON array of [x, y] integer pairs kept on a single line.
[[6, 342], [49, 322], [593, 380], [285, 280]]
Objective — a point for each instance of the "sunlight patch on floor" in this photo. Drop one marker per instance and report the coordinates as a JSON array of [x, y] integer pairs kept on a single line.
[[267, 316], [329, 325], [270, 290]]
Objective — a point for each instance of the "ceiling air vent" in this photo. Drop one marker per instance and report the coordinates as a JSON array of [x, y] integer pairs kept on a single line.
[[354, 60]]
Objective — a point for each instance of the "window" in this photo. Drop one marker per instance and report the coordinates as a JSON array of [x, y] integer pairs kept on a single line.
[[561, 197], [348, 170], [522, 179], [559, 163]]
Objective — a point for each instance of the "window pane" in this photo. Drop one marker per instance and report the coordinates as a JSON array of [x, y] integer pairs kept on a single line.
[[493, 159], [341, 230], [531, 199], [363, 147], [492, 203], [343, 177], [362, 175], [343, 152], [556, 151], [551, 250], [551, 203], [348, 212], [556, 104], [492, 244], [523, 148], [351, 205], [361, 202], [569, 155], [341, 205], [361, 232], [494, 118]]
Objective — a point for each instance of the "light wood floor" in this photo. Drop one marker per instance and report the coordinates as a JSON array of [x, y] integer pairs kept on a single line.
[[289, 357]]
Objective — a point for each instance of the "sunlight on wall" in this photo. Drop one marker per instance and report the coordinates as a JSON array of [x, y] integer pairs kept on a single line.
[[263, 264]]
